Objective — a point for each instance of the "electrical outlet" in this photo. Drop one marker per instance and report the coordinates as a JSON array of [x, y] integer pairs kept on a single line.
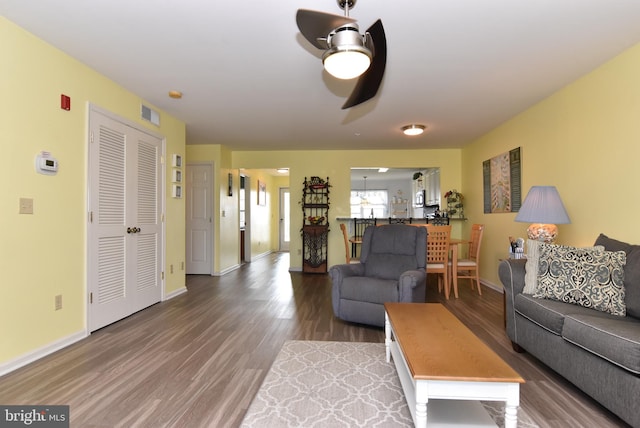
[[58, 302], [26, 206], [170, 268]]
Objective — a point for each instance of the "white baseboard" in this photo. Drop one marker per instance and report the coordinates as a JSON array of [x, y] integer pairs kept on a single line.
[[227, 270], [175, 293], [32, 356], [491, 285], [259, 256]]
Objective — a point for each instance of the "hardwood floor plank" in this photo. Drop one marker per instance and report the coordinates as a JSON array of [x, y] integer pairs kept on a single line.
[[198, 360]]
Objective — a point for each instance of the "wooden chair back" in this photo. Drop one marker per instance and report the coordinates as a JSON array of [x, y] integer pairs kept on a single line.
[[347, 249], [477, 230], [438, 244], [438, 255], [360, 224]]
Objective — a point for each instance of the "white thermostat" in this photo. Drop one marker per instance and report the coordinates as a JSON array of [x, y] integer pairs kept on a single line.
[[46, 164]]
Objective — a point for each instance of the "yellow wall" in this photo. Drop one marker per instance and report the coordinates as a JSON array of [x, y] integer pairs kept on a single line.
[[44, 254], [585, 140], [336, 165]]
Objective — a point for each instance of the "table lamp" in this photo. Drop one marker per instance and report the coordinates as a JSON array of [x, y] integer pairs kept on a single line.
[[544, 209]]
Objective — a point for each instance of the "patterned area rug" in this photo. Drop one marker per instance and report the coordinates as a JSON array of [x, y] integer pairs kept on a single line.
[[337, 384]]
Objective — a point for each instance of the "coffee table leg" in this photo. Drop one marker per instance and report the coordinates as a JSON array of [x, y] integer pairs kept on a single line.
[[387, 336], [422, 399], [511, 407], [510, 416]]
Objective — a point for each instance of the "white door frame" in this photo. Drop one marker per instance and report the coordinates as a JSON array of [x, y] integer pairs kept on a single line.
[[247, 219]]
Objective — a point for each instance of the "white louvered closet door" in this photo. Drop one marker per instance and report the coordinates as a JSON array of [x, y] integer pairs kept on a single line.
[[125, 233]]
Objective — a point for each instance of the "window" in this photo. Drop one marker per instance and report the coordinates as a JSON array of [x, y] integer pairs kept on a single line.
[[369, 203]]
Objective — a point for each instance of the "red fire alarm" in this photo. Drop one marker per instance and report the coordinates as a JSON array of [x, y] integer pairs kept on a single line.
[[65, 102]]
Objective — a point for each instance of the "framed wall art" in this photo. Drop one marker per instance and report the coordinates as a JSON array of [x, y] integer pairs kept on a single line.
[[262, 193], [502, 188]]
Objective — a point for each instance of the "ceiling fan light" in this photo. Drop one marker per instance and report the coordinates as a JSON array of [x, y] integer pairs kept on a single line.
[[347, 56], [413, 129], [346, 64]]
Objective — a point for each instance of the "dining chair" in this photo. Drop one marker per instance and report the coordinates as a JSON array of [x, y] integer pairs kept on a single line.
[[359, 226], [469, 267], [347, 250], [438, 255]]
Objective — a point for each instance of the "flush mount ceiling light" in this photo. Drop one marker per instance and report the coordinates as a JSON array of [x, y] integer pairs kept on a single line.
[[175, 94], [413, 129], [282, 170]]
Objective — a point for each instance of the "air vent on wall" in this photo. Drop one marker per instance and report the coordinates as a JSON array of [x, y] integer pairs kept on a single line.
[[150, 115]]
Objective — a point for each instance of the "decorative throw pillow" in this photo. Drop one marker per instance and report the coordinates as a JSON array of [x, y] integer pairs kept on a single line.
[[587, 277], [531, 267], [631, 271]]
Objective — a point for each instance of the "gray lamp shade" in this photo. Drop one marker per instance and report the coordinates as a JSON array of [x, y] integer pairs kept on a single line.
[[543, 205]]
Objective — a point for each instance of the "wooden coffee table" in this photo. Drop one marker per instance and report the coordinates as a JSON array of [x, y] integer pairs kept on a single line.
[[437, 357]]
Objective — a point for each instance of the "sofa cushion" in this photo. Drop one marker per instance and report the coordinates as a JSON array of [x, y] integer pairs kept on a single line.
[[631, 271], [586, 277], [370, 290], [612, 338], [548, 314]]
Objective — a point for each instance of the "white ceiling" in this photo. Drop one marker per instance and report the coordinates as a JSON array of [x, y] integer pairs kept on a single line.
[[251, 81]]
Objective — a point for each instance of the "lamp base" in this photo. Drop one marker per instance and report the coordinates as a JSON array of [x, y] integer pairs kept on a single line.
[[543, 232]]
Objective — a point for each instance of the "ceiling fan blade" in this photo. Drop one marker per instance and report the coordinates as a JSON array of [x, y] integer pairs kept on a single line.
[[369, 82], [314, 25]]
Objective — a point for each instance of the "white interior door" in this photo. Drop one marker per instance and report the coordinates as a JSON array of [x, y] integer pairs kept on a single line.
[[125, 232], [285, 223], [199, 233]]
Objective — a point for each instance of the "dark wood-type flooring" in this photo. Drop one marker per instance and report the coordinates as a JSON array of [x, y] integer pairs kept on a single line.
[[197, 360]]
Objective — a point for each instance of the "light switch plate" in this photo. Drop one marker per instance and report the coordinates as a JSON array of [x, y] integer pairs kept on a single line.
[[26, 206]]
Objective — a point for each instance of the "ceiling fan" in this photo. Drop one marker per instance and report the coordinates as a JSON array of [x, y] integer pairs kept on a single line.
[[348, 54]]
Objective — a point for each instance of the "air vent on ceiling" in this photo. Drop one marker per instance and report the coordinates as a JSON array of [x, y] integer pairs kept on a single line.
[[150, 115]]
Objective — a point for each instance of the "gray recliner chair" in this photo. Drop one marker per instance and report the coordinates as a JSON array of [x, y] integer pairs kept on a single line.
[[392, 268]]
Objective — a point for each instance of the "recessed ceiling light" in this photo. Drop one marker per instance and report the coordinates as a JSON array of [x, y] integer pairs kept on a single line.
[[383, 169], [413, 129], [175, 94]]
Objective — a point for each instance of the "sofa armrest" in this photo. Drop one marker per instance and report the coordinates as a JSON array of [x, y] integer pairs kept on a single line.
[[412, 286], [338, 273], [511, 273]]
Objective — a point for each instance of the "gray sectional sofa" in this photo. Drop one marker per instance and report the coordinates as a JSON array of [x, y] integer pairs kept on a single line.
[[593, 349]]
